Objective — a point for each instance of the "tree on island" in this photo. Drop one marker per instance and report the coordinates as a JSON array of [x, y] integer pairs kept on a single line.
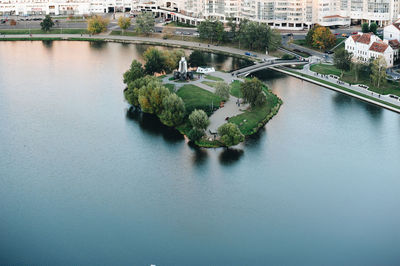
[[97, 24], [131, 93], [222, 89], [230, 134], [171, 59], [252, 92], [174, 110], [151, 97], [144, 23], [155, 61], [199, 121], [47, 23], [124, 23], [342, 60], [197, 59], [136, 71], [378, 69]]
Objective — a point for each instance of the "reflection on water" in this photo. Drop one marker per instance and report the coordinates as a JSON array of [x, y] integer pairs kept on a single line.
[[230, 155], [151, 124]]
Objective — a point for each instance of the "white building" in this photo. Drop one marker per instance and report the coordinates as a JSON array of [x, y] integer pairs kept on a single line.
[[367, 46], [392, 32]]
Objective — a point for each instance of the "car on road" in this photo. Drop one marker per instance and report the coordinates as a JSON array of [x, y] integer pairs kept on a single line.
[[354, 32], [196, 34], [344, 35], [178, 32]]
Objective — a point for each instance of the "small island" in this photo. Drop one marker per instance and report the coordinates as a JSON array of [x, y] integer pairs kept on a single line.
[[212, 109]]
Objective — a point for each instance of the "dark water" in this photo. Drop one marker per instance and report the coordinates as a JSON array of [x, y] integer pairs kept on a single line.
[[84, 181]]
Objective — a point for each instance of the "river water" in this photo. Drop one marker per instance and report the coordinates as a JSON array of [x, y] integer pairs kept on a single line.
[[84, 181]]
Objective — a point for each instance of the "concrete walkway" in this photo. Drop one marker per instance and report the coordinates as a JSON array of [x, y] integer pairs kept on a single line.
[[230, 108]]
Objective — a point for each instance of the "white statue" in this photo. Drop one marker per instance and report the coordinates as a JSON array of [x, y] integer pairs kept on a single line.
[[182, 66]]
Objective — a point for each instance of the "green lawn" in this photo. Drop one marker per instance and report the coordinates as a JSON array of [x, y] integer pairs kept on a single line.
[[197, 98], [170, 87], [126, 33], [38, 31], [213, 78], [251, 120], [209, 83], [235, 89], [349, 77]]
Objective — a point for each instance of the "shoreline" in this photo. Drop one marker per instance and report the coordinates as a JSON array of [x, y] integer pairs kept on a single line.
[[343, 90]]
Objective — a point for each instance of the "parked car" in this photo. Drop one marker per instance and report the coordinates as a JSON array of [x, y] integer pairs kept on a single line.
[[247, 53], [329, 52], [354, 32], [336, 34]]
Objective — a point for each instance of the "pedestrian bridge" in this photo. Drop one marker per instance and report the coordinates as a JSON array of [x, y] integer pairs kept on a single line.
[[270, 63]]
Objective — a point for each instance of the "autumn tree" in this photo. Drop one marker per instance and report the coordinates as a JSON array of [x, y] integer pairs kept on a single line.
[[323, 38], [97, 24], [151, 97], [378, 69], [124, 23]]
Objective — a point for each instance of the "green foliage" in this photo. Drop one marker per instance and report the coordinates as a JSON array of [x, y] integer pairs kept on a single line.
[[174, 110], [310, 33], [124, 23], [373, 27], [199, 119], [155, 61], [144, 23], [196, 59], [365, 27], [131, 93], [233, 26], [258, 36], [252, 92], [230, 134], [151, 97], [235, 89], [97, 24], [342, 60], [136, 71], [211, 30], [222, 90], [195, 134], [288, 57], [47, 23], [378, 69], [171, 59]]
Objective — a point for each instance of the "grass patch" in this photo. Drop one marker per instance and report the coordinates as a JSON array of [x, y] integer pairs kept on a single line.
[[253, 119], [213, 78], [38, 31], [197, 98], [31, 39], [170, 87], [126, 33], [209, 83], [349, 77], [235, 89]]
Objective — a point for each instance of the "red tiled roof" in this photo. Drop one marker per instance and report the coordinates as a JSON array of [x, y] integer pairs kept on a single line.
[[379, 47], [355, 37], [395, 44], [365, 38], [397, 25]]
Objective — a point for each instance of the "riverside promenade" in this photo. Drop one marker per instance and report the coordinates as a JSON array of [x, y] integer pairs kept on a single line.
[[306, 74]]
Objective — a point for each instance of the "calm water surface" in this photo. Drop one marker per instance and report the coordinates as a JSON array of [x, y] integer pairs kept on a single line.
[[84, 181]]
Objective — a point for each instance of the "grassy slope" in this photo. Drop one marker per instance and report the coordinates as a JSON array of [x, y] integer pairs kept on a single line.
[[235, 89], [38, 31], [256, 117], [209, 83], [389, 88], [170, 87], [196, 98], [213, 78]]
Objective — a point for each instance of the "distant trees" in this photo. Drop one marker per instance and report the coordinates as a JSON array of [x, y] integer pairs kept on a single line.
[[320, 37], [211, 30], [97, 24], [373, 27], [47, 23], [230, 134], [222, 89], [197, 59], [342, 60], [144, 23], [252, 92], [124, 23], [378, 69], [257, 36], [158, 61]]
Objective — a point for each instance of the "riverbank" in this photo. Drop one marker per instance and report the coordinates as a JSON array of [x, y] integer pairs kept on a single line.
[[225, 50], [341, 89]]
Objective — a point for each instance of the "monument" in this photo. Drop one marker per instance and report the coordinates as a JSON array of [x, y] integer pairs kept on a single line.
[[183, 73]]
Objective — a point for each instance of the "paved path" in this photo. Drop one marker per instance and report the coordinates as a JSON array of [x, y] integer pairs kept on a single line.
[[366, 92], [230, 107], [136, 39]]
